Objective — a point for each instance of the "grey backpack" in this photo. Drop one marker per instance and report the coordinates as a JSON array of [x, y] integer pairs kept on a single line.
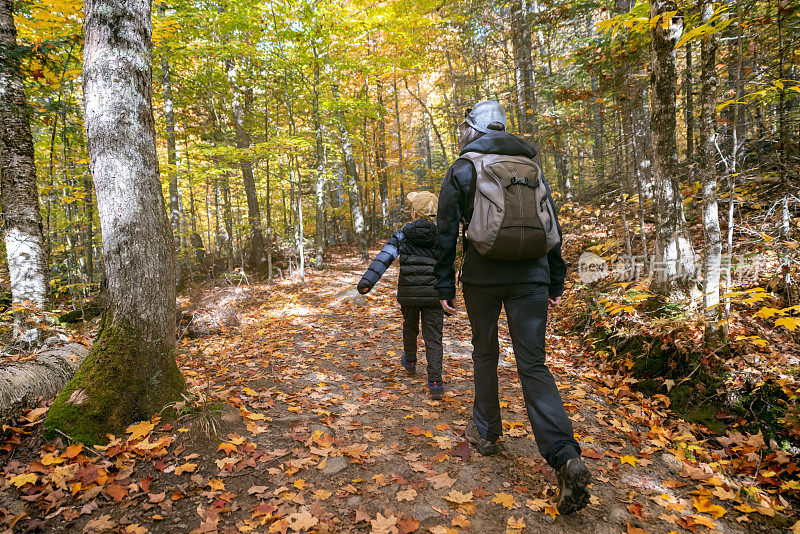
[[512, 217]]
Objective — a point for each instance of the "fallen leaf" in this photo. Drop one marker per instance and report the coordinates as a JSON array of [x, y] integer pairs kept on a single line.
[[703, 505], [302, 520], [103, 523], [456, 497], [515, 524], [188, 467], [407, 494], [384, 525], [505, 499], [442, 481], [407, 526], [627, 459], [139, 430]]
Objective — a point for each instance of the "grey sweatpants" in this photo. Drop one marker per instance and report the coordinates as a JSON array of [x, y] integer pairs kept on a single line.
[[432, 325]]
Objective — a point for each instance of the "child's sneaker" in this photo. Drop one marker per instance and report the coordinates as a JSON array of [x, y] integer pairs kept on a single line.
[[436, 388], [410, 367]]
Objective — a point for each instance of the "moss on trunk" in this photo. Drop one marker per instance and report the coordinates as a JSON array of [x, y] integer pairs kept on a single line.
[[123, 380]]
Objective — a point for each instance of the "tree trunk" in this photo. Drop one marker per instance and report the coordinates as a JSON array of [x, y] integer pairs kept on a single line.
[[19, 196], [380, 157], [351, 174], [24, 383], [172, 161], [688, 107], [268, 196], [708, 178], [524, 74], [88, 210], [240, 115], [319, 179], [130, 373], [674, 258]]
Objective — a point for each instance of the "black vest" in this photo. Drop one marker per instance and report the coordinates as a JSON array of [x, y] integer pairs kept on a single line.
[[417, 259]]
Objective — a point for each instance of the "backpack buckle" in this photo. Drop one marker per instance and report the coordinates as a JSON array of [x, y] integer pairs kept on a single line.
[[516, 179]]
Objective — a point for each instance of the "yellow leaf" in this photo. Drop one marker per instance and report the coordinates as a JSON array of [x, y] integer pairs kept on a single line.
[[627, 459], [789, 322], [705, 521], [188, 467], [505, 499], [140, 430], [515, 524], [216, 484], [702, 504], [25, 478], [322, 494]]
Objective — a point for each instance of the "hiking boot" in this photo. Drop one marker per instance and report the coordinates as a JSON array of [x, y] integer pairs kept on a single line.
[[481, 444], [573, 479], [410, 367], [436, 388]]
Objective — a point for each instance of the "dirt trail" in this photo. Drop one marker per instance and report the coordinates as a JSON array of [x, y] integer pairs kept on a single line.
[[319, 428]]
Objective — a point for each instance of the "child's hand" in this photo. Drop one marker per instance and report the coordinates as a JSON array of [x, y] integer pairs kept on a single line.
[[363, 288]]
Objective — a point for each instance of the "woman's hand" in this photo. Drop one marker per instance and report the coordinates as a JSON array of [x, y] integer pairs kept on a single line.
[[449, 306]]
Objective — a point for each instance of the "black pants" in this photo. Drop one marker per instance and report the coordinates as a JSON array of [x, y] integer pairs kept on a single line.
[[432, 325], [526, 310]]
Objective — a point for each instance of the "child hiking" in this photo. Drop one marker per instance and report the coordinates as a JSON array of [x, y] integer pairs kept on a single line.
[[415, 245]]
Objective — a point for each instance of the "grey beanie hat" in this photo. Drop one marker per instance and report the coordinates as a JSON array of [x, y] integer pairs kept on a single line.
[[484, 113]]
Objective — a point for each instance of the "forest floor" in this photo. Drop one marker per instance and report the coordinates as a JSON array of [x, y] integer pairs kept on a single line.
[[300, 418]]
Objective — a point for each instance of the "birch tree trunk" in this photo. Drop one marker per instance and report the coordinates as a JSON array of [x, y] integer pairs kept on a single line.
[[172, 160], [19, 196], [708, 178], [130, 372], [673, 267], [319, 179]]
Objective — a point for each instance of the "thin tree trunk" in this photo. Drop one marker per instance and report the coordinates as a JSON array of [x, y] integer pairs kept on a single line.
[[19, 196], [351, 174], [674, 258], [240, 115], [397, 125], [524, 74], [688, 108], [269, 194], [172, 167], [319, 179], [430, 117], [783, 135], [380, 157], [708, 177], [131, 372]]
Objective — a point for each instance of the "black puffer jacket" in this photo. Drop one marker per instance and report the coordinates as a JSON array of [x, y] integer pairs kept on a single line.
[[415, 244]]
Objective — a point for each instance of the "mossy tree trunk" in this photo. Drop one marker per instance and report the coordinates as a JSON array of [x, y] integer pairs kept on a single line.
[[130, 372], [22, 222]]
